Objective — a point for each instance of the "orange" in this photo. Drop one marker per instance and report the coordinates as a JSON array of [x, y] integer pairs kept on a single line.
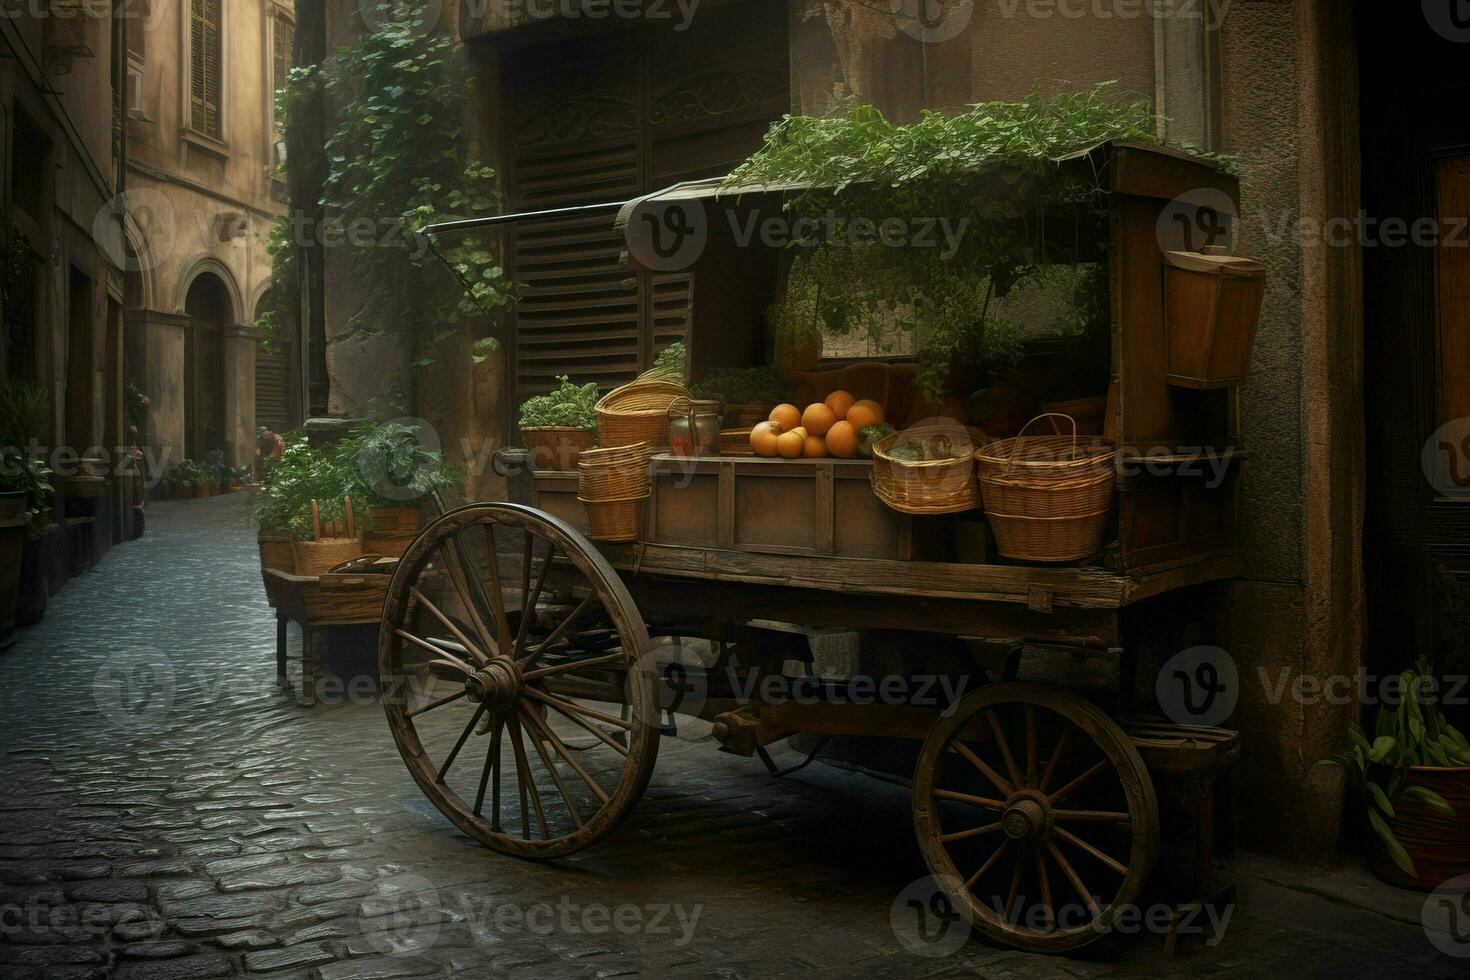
[[842, 440], [865, 413], [839, 401], [790, 445], [815, 448], [817, 419], [788, 416], [763, 438]]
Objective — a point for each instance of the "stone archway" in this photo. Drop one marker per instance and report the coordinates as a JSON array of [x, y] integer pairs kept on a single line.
[[211, 312]]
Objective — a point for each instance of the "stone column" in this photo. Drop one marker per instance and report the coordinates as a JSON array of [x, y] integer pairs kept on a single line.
[[155, 344], [240, 345]]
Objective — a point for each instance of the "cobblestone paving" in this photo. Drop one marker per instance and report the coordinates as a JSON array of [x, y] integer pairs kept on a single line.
[[170, 813]]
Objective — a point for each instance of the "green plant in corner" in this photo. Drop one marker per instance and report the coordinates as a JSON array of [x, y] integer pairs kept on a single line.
[[566, 406], [1411, 734], [387, 464], [742, 386]]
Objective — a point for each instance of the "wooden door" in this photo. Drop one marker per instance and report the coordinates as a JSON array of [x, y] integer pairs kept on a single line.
[[1416, 247]]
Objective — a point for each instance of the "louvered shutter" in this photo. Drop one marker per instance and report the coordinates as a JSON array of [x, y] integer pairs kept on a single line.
[[205, 67], [272, 400], [284, 38]]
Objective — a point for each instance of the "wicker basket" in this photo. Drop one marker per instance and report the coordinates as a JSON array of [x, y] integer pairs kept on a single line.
[[322, 554], [619, 519], [942, 486], [614, 473], [1048, 498], [557, 448], [638, 412]]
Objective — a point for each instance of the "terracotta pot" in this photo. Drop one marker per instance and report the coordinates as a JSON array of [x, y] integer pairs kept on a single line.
[[557, 447], [1438, 845]]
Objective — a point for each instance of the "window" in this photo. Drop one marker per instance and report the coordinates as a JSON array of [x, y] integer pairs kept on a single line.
[[284, 37], [28, 165], [206, 62]]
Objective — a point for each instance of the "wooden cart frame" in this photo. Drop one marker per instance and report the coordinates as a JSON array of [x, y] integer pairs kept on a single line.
[[505, 630]]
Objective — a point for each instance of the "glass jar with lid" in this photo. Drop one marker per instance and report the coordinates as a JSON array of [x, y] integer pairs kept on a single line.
[[694, 427]]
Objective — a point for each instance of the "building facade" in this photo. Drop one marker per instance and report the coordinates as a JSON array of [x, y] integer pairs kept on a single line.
[[204, 191], [1355, 562]]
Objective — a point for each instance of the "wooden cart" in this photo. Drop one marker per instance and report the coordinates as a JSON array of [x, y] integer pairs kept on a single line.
[[529, 674]]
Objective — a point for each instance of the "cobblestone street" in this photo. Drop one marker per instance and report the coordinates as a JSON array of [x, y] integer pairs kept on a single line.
[[170, 813]]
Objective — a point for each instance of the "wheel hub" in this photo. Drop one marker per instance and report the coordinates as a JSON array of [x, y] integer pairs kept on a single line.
[[1024, 819], [497, 684]]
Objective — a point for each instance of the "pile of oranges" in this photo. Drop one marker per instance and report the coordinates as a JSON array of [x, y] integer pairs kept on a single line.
[[831, 427]]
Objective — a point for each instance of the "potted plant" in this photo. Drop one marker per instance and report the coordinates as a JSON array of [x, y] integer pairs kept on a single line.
[[1414, 779], [388, 467], [282, 511], [560, 424], [749, 394], [26, 489], [216, 472]]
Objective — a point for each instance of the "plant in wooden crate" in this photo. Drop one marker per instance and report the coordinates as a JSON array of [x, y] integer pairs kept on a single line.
[[749, 393], [26, 490], [1414, 779], [392, 473], [283, 503], [985, 200], [559, 425]]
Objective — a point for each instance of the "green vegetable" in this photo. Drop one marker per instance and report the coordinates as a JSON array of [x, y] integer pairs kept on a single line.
[[911, 450], [870, 435], [742, 386], [671, 362], [569, 405]]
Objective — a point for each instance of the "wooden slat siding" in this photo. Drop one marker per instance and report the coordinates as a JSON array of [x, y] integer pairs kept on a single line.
[[272, 392], [205, 66]]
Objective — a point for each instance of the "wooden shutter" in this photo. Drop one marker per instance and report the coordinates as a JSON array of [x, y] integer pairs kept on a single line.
[[281, 55], [272, 392], [205, 67]]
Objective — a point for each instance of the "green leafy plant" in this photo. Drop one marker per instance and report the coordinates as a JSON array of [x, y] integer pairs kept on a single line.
[[568, 405], [1412, 734], [187, 473], [387, 464], [23, 418], [397, 162], [672, 363], [993, 172], [301, 474], [742, 386]]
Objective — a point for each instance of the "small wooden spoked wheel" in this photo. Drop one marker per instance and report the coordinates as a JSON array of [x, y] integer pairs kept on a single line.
[[515, 682], [1036, 815]]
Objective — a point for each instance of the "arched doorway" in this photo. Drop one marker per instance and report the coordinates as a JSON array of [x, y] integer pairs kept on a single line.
[[210, 311]]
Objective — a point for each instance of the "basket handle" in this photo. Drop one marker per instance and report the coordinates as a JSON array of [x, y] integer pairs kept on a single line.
[[351, 528], [1045, 415], [316, 522]]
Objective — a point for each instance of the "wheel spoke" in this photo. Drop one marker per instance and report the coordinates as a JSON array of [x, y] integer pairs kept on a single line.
[[450, 625], [1005, 748], [1078, 842], [979, 763], [1071, 876], [986, 802], [438, 651], [526, 555], [1046, 904], [497, 592], [591, 728], [565, 706], [463, 736], [1099, 816], [994, 857], [492, 762], [435, 704], [527, 782], [1062, 793], [561, 750], [458, 579], [528, 603], [1056, 755], [612, 658], [1031, 746], [559, 632], [989, 828], [1010, 912], [537, 744]]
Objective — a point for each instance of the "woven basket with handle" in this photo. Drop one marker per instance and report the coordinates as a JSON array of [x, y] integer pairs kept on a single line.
[[324, 553], [638, 412], [1048, 498], [929, 486]]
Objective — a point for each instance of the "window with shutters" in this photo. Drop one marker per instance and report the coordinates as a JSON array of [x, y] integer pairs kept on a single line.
[[282, 38], [206, 65]]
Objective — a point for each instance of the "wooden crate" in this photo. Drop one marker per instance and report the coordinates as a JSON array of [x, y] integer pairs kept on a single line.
[[556, 493], [785, 507]]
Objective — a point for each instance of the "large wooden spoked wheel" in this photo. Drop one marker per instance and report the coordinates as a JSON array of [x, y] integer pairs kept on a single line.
[[1036, 816], [513, 668]]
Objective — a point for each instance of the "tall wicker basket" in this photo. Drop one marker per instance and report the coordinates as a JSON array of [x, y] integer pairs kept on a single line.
[[612, 484], [638, 412], [1048, 498], [929, 486], [325, 552]]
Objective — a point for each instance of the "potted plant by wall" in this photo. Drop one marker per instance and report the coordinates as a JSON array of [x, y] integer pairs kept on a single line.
[[1413, 776], [26, 488], [282, 511], [749, 394], [560, 424]]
